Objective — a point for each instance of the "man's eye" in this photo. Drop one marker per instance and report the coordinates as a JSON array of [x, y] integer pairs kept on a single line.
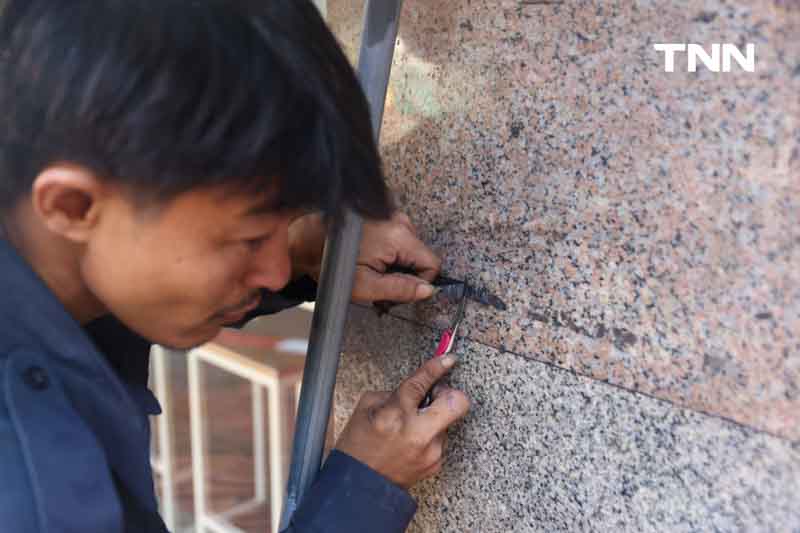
[[255, 244]]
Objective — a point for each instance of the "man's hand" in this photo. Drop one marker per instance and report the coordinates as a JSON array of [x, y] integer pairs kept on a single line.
[[383, 244], [391, 435], [393, 242]]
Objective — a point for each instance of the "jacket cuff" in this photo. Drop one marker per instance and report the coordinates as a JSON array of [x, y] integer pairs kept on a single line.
[[298, 291], [303, 289], [348, 496]]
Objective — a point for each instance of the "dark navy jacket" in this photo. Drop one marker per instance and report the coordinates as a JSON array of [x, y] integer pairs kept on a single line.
[[75, 437]]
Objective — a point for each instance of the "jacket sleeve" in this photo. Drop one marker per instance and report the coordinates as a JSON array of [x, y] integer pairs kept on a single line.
[[350, 497]]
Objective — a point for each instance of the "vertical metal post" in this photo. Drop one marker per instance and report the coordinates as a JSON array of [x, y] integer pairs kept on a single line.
[[160, 358], [322, 5], [259, 442], [381, 20], [199, 439]]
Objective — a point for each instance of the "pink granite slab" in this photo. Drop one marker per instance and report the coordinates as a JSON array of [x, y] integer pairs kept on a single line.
[[643, 226]]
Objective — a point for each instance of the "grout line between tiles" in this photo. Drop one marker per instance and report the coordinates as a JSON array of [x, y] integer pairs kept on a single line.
[[741, 425]]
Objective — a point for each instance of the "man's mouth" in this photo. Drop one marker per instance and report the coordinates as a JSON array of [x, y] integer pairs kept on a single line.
[[241, 310]]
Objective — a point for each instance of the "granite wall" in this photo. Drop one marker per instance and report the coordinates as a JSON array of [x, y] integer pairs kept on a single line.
[[644, 228]]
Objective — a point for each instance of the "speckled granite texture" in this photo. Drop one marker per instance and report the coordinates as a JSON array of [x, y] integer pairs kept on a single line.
[[643, 226], [544, 449]]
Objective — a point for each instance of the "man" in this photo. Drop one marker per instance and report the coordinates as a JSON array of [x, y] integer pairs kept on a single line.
[[166, 169]]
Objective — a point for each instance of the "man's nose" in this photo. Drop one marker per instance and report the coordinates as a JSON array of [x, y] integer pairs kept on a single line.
[[272, 267]]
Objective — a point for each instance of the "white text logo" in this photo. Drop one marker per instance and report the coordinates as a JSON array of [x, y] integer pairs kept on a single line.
[[718, 61]]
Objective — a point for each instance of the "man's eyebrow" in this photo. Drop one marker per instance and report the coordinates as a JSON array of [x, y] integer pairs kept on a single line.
[[265, 208]]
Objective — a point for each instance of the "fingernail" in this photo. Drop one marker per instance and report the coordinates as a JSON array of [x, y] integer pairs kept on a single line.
[[424, 291], [448, 361]]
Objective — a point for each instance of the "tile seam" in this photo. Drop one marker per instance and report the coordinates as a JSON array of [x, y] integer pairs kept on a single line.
[[672, 403]]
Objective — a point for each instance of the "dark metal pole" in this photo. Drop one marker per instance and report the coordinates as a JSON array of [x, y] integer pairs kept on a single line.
[[381, 22], [338, 269]]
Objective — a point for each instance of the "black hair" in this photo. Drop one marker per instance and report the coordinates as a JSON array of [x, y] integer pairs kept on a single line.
[[166, 96]]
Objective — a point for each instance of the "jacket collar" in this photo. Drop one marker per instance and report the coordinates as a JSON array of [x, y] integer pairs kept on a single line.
[[33, 316], [33, 319]]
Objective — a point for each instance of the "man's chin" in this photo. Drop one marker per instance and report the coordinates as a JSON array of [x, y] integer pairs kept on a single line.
[[193, 340]]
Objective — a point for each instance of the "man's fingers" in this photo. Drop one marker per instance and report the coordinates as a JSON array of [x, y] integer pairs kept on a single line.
[[414, 388], [405, 288], [373, 399], [438, 445], [435, 455], [403, 219], [371, 286], [413, 251], [438, 389], [432, 470], [449, 406], [391, 243]]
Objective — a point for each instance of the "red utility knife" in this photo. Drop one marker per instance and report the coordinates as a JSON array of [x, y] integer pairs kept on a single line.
[[446, 344]]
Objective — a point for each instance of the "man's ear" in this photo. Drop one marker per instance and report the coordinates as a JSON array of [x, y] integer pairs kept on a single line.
[[68, 200]]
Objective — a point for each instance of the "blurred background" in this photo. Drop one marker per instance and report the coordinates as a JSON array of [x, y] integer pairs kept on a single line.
[[225, 432]]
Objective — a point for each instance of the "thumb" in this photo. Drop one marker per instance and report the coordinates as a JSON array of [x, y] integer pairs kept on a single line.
[[414, 388], [372, 286]]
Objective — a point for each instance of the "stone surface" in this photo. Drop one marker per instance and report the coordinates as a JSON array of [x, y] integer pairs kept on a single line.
[[544, 449], [643, 226]]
